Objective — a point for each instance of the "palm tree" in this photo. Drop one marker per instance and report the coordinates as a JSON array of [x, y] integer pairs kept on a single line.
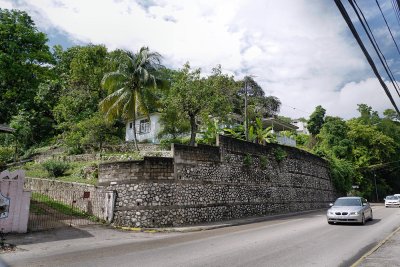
[[129, 85]]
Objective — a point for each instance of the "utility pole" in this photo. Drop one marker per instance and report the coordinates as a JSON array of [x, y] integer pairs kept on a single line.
[[376, 188], [246, 130], [245, 110]]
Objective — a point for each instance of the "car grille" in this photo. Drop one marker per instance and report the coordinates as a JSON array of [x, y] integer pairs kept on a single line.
[[341, 213], [342, 220]]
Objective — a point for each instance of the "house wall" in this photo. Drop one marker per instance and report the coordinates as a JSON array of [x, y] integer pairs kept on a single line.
[[236, 179], [142, 137]]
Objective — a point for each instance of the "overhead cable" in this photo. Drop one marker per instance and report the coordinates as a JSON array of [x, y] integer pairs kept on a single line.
[[375, 45], [387, 25], [369, 59]]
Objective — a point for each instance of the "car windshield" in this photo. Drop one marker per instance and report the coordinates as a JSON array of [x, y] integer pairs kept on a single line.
[[348, 202], [391, 197]]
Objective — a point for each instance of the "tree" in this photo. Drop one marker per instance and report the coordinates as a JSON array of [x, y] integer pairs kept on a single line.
[[259, 105], [333, 140], [129, 86], [316, 120], [391, 114], [24, 62], [79, 70], [368, 116], [194, 98]]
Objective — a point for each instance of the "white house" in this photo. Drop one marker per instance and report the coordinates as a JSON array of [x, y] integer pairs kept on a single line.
[[301, 126], [147, 128]]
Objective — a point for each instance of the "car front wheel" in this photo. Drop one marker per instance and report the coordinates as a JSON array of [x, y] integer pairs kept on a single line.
[[363, 219]]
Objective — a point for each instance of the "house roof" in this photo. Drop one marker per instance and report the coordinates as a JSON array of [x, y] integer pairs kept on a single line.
[[278, 125], [5, 129]]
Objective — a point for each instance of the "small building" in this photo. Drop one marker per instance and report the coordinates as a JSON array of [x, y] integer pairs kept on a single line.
[[280, 126], [147, 129], [301, 127]]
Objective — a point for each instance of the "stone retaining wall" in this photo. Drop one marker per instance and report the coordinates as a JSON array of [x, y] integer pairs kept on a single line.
[[236, 179]]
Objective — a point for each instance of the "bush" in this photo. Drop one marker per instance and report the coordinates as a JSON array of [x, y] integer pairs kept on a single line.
[[56, 168], [263, 162], [280, 154], [247, 160], [342, 173], [6, 154]]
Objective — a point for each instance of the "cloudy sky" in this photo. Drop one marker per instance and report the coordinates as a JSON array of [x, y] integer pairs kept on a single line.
[[298, 50]]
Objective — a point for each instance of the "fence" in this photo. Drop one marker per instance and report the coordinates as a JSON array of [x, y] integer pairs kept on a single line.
[[54, 208]]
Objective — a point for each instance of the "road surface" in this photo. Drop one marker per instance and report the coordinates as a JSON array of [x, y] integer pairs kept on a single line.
[[305, 240]]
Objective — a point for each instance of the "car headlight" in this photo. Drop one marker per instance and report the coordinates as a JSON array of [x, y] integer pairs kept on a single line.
[[354, 213]]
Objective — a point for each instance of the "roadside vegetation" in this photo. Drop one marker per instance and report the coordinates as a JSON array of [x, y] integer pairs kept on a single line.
[[80, 98]]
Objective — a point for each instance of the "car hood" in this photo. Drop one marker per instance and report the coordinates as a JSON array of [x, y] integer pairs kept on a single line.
[[346, 208]]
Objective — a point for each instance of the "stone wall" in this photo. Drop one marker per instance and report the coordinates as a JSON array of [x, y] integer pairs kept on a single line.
[[236, 179], [94, 200]]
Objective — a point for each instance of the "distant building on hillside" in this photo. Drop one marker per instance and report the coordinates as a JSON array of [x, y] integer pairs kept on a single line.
[[301, 126], [147, 128]]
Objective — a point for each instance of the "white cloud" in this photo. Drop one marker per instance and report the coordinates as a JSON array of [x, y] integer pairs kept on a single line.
[[299, 51]]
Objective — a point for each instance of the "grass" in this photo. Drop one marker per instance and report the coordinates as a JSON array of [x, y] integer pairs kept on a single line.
[[36, 170], [59, 206]]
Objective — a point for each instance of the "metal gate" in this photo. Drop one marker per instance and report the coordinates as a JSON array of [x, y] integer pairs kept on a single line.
[[62, 208]]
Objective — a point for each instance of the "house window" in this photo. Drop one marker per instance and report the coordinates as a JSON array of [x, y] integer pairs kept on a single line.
[[130, 125], [144, 126]]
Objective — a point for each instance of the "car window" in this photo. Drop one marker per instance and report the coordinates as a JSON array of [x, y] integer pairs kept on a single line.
[[391, 197], [348, 202]]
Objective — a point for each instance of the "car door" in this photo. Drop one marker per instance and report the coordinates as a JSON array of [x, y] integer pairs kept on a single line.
[[367, 208]]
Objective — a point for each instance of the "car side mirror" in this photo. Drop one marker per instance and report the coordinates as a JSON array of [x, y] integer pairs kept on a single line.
[[330, 204], [384, 198]]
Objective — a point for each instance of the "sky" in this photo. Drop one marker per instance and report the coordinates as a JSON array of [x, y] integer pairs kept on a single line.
[[300, 51]]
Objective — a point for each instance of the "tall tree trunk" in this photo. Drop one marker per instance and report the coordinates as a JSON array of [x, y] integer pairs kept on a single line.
[[193, 129], [134, 132]]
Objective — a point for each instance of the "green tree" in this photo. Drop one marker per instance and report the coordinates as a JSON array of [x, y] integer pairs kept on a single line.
[[368, 116], [24, 62], [193, 98], [90, 133], [258, 104], [316, 120], [333, 139], [391, 114], [129, 86], [371, 146], [79, 70]]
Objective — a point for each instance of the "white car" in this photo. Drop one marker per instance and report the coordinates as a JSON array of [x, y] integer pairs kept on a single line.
[[392, 201]]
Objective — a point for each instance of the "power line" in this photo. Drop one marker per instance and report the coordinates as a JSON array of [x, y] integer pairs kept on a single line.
[[396, 10], [375, 45], [294, 108], [387, 25], [369, 59]]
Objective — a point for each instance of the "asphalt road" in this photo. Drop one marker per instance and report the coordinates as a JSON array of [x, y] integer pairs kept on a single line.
[[305, 240]]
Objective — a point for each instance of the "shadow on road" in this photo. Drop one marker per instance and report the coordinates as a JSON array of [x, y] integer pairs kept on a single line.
[[369, 223], [47, 236]]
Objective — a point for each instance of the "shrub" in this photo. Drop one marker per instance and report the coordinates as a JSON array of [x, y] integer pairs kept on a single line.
[[263, 162], [247, 160], [280, 154], [56, 168], [6, 154]]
